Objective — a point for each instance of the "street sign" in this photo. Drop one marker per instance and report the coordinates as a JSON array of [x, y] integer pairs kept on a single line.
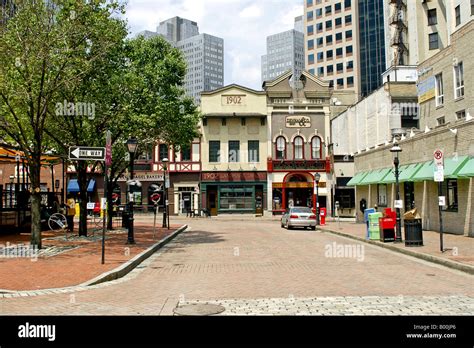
[[439, 174], [398, 204], [438, 158], [442, 201], [87, 153]]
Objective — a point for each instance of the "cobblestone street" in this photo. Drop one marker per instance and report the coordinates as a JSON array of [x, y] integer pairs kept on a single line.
[[255, 267]]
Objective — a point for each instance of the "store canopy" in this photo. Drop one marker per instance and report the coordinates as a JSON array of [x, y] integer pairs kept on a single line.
[[467, 169], [452, 167], [357, 179], [91, 186], [73, 186], [375, 176]]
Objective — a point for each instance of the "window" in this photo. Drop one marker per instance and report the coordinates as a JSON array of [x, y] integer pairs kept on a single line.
[[339, 52], [310, 29], [319, 12], [311, 71], [263, 121], [339, 67], [309, 3], [321, 71], [348, 34], [243, 122], [338, 37], [316, 148], [310, 44], [458, 81], [236, 197], [311, 58], [214, 151], [348, 19], [350, 65], [461, 115], [382, 195], [439, 90], [328, 10], [163, 152], [309, 15], [298, 148], [338, 22], [433, 40], [320, 56], [319, 27], [340, 83], [234, 151], [254, 151], [329, 40], [450, 191], [328, 25], [347, 4], [329, 54], [349, 50], [337, 7], [186, 153], [204, 122], [280, 145], [432, 20], [457, 11], [330, 69], [350, 81], [440, 121], [224, 121]]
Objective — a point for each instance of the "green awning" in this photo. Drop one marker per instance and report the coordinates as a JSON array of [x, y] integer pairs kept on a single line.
[[452, 166], [357, 179], [407, 173], [467, 169], [375, 176]]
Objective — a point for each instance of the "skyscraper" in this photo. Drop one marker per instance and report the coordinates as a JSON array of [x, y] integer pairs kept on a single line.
[[285, 51]]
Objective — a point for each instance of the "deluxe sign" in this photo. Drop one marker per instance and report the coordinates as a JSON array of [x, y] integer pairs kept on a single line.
[[298, 122]]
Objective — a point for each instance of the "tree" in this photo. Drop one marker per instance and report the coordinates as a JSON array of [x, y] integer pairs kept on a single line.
[[46, 47]]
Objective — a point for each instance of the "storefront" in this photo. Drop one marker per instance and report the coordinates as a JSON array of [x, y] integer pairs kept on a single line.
[[184, 193], [150, 184], [234, 192]]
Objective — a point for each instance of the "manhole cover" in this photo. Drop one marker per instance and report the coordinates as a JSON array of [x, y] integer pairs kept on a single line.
[[199, 309]]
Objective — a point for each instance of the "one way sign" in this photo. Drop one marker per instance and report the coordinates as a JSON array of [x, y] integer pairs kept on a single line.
[[87, 153]]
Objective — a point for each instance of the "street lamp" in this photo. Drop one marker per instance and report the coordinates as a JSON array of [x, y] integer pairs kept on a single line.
[[12, 179], [166, 222], [317, 177], [132, 145], [396, 150]]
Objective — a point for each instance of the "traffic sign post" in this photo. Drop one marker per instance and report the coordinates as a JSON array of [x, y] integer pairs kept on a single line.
[[79, 153], [439, 178]]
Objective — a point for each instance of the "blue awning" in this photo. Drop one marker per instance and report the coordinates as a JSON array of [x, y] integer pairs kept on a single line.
[[73, 186], [91, 186]]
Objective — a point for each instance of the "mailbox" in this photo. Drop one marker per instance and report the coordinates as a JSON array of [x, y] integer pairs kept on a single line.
[[322, 214]]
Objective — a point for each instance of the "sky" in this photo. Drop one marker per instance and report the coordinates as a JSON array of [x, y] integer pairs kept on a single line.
[[243, 24]]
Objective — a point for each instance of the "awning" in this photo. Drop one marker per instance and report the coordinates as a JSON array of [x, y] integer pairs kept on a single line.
[[357, 178], [73, 186], [374, 177], [467, 169], [91, 186], [452, 166]]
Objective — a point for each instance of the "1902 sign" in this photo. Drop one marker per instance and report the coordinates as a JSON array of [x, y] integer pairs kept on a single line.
[[298, 122], [233, 100]]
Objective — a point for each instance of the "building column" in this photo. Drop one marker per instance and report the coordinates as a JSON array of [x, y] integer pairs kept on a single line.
[[424, 206], [468, 223], [369, 197]]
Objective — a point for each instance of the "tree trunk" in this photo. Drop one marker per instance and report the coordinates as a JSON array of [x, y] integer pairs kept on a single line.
[[81, 168], [35, 170]]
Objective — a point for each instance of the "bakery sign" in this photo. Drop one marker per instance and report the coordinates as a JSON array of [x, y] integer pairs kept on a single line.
[[298, 122]]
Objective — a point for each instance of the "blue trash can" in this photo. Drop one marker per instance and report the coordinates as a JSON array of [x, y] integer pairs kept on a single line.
[[366, 220]]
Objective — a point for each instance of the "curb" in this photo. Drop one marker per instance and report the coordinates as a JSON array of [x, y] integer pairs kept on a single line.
[[430, 258], [114, 274]]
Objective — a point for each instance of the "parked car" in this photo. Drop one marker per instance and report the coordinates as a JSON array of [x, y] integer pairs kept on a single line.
[[298, 217]]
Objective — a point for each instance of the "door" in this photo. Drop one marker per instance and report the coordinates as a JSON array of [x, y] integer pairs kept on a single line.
[[186, 206], [409, 189], [212, 202], [259, 202]]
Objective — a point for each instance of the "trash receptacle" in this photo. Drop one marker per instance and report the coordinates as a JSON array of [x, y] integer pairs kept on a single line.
[[374, 229], [366, 219], [413, 232], [125, 218]]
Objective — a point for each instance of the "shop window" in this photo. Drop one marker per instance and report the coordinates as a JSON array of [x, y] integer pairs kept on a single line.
[[236, 198], [450, 191], [382, 195], [280, 145], [316, 150], [298, 148]]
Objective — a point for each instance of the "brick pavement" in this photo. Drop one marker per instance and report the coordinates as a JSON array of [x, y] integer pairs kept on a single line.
[[252, 260]]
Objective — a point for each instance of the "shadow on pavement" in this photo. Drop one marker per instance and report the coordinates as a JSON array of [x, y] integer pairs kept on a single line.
[[197, 237]]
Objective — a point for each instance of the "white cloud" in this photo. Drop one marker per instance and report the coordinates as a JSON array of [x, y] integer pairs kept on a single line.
[[243, 24]]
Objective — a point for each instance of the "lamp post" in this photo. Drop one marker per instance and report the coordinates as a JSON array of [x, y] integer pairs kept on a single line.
[[317, 177], [396, 150], [165, 203], [132, 145]]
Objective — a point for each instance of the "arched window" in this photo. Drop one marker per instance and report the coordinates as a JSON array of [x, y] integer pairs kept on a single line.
[[316, 152], [298, 148], [280, 148]]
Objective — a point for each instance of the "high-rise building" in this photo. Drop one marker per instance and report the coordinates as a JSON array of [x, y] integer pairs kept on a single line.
[[204, 54], [331, 42], [285, 51]]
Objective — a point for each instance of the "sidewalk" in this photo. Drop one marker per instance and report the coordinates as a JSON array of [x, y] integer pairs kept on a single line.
[[460, 253], [68, 262]]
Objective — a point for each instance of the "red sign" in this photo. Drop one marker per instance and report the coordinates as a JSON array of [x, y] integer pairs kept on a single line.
[[438, 158], [108, 150], [234, 176]]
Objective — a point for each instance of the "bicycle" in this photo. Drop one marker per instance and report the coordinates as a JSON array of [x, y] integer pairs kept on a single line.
[[57, 222]]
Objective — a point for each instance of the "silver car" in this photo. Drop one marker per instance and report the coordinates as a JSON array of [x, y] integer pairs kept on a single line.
[[298, 217]]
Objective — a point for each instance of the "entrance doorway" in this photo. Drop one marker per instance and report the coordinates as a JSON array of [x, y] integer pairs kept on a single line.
[[212, 201], [409, 189]]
